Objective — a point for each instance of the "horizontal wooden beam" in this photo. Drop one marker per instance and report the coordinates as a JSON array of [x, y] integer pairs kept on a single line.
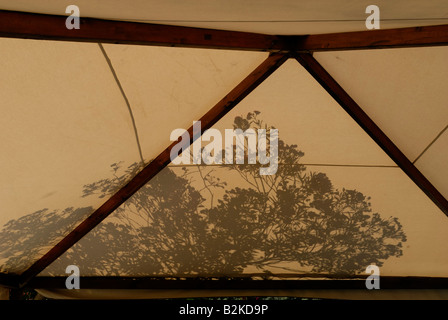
[[370, 127], [374, 39], [154, 167], [51, 27], [236, 283]]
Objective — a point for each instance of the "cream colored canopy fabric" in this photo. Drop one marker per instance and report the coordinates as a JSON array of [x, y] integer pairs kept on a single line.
[[64, 112], [284, 17], [332, 143], [80, 120]]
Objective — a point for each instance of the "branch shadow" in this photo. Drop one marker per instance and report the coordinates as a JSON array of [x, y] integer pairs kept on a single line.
[[294, 219]]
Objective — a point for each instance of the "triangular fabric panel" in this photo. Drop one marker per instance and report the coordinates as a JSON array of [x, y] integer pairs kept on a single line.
[[73, 113], [334, 205], [168, 88], [404, 92]]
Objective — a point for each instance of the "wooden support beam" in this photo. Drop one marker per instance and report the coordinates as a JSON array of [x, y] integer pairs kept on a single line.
[[374, 39], [370, 127], [161, 161], [50, 27]]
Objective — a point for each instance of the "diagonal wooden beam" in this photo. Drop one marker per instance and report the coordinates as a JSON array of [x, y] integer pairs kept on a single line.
[[51, 27], [369, 126], [161, 161], [374, 39]]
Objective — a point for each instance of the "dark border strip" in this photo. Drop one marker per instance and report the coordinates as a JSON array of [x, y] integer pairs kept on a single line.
[[9, 280], [375, 39], [15, 24], [246, 86], [369, 126], [236, 283]]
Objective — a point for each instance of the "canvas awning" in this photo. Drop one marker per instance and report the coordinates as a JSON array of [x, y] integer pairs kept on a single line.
[[87, 178]]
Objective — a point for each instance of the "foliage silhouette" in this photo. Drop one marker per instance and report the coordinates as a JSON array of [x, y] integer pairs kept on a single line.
[[27, 238], [294, 220]]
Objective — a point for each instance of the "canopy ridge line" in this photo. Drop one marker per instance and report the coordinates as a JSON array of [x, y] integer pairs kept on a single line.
[[264, 70], [126, 100], [369, 126], [430, 144]]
